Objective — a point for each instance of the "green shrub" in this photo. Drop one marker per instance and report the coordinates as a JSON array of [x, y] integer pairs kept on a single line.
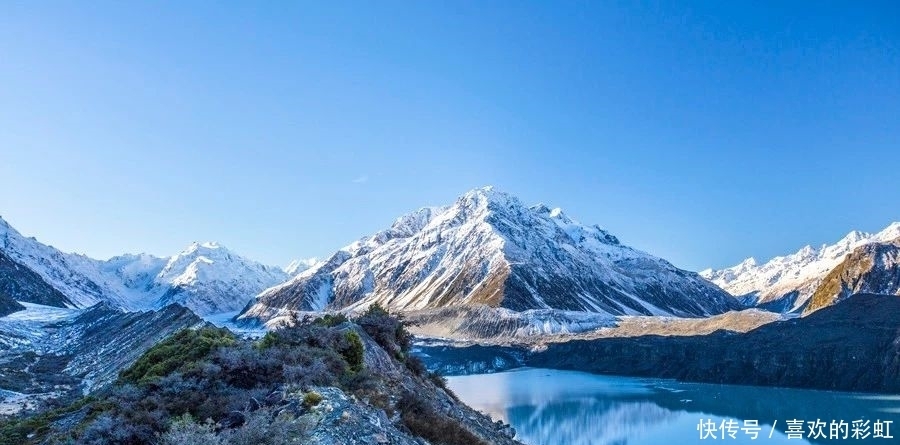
[[354, 351], [269, 340], [32, 429], [415, 365], [181, 350], [331, 320], [184, 430], [312, 399]]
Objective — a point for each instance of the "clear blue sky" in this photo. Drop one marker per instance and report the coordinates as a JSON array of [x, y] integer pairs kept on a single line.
[[703, 132]]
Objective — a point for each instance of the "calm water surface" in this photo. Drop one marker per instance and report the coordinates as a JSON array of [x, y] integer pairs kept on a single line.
[[550, 407]]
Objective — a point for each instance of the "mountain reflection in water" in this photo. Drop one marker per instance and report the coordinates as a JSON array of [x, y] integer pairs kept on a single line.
[[550, 407]]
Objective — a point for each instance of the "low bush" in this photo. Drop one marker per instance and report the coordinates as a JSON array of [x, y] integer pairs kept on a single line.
[[415, 365], [386, 329], [311, 399], [423, 421]]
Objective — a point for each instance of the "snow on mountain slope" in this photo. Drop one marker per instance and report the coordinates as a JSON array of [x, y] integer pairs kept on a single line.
[[787, 282], [27, 329], [210, 279], [81, 279], [206, 278], [299, 265], [490, 249]]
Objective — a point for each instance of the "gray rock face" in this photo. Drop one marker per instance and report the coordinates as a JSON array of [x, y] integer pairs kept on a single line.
[[9, 305], [18, 282], [400, 380], [872, 268], [342, 421]]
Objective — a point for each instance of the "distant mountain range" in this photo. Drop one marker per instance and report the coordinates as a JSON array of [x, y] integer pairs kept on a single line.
[[205, 277], [788, 283], [535, 265]]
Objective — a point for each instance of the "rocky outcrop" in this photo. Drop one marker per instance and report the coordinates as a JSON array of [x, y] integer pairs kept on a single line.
[[326, 381], [872, 268], [8, 305], [339, 417]]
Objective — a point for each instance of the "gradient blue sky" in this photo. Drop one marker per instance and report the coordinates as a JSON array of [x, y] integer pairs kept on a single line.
[[703, 132]]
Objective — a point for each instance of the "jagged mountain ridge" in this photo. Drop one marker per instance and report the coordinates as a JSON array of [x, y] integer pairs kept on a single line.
[[870, 269], [205, 277], [48, 352], [489, 249], [786, 283]]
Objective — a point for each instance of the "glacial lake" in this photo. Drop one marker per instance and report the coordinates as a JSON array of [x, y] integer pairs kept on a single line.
[[551, 407]]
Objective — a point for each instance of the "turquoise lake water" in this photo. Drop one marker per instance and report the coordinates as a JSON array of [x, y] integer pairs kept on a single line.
[[551, 407]]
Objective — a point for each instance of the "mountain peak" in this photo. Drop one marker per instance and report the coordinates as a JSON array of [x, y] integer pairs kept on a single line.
[[487, 196], [889, 233], [853, 237], [487, 248], [412, 222], [198, 246], [6, 228], [299, 265], [558, 215]]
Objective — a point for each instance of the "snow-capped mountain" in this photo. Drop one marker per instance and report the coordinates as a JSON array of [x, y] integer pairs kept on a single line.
[[205, 277], [489, 249], [786, 283], [299, 265], [210, 279], [82, 280]]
